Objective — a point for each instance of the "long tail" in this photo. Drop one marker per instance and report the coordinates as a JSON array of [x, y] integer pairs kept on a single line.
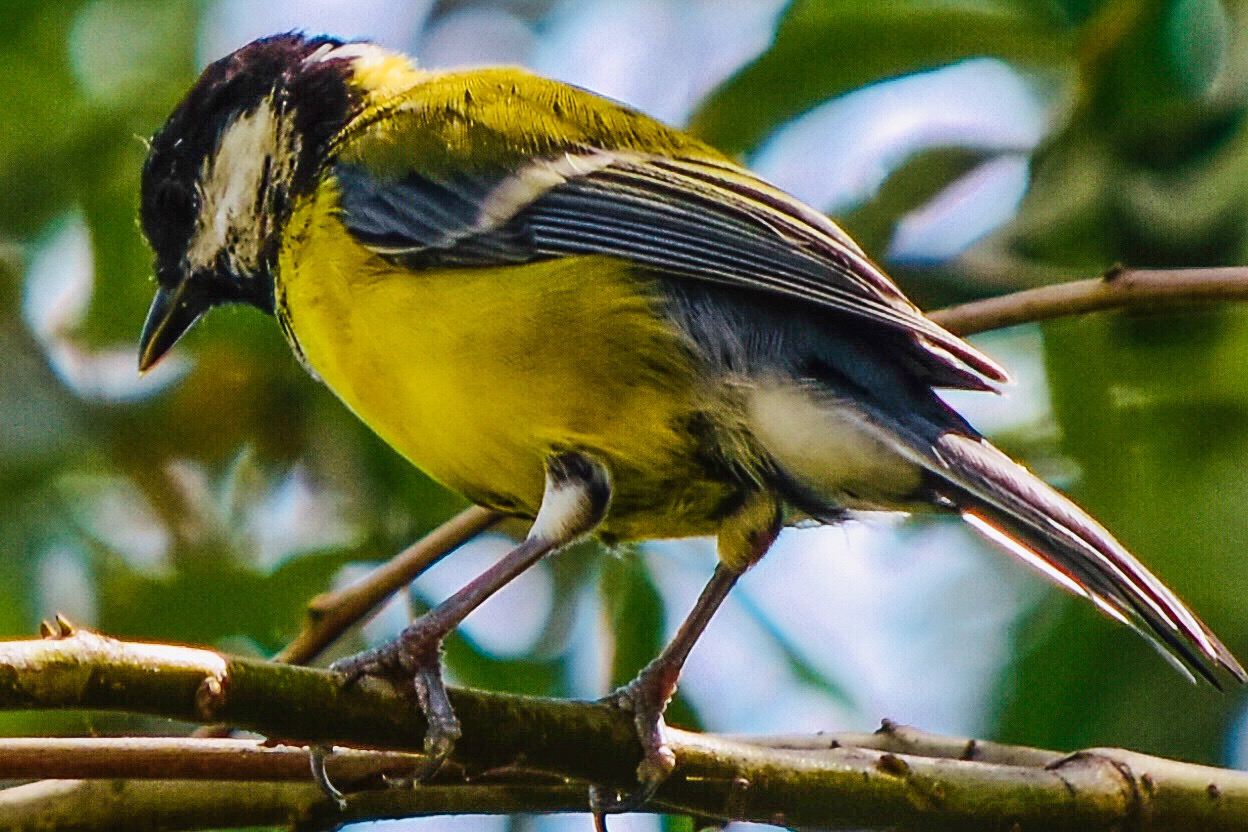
[[1014, 508]]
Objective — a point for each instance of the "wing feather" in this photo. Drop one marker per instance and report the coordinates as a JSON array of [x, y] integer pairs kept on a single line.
[[691, 218], [1006, 502]]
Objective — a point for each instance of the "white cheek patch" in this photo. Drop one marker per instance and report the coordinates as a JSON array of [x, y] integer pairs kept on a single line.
[[256, 150]]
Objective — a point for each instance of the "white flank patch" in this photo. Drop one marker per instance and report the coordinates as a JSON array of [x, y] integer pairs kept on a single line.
[[831, 447], [234, 214], [564, 508]]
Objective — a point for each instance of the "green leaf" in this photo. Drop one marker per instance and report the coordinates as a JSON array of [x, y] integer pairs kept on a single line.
[[41, 113], [478, 668], [212, 596], [921, 177], [634, 611], [825, 48]]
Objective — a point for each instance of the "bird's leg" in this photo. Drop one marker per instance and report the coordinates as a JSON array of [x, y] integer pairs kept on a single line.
[[578, 490], [744, 539], [649, 692]]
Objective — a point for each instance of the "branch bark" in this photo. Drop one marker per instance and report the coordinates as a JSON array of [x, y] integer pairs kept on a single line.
[[108, 805], [1118, 289], [514, 747], [331, 614]]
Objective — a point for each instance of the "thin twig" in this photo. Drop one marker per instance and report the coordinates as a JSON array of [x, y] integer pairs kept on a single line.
[[1118, 289], [902, 739], [331, 614], [187, 758], [108, 805], [196, 758]]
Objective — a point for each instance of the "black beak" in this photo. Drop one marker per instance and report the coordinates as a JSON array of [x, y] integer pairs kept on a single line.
[[174, 310]]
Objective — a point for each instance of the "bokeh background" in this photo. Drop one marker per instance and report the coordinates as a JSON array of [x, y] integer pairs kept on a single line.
[[974, 147]]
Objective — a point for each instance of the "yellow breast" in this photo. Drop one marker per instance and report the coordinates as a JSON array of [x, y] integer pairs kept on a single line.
[[477, 375]]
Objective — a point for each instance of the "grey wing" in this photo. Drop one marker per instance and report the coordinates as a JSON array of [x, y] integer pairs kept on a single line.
[[697, 219]]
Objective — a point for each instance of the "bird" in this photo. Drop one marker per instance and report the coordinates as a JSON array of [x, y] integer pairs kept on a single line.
[[571, 313]]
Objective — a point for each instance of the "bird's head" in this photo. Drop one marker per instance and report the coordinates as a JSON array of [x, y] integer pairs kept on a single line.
[[222, 174]]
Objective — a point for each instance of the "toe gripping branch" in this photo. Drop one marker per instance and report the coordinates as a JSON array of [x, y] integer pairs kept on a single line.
[[577, 493], [743, 540], [648, 695]]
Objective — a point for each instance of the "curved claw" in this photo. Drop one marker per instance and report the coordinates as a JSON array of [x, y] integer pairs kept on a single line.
[[647, 697], [604, 802], [443, 729], [412, 662], [317, 756]]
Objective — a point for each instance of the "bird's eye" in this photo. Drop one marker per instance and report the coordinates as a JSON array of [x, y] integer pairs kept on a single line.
[[169, 216], [176, 205]]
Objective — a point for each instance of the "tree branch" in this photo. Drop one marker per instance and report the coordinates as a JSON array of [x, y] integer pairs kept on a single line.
[[510, 737], [108, 805], [902, 739], [187, 758], [1118, 289], [331, 614]]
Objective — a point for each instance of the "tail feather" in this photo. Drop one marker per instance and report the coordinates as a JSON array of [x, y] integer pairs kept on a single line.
[[1011, 506]]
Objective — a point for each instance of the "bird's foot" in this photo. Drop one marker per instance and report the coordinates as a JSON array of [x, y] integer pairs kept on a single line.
[[646, 697], [413, 663]]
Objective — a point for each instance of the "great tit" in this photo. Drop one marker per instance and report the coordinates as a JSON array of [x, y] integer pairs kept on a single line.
[[569, 312]]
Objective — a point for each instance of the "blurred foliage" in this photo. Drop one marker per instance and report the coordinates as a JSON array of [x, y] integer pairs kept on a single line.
[[1149, 170], [1148, 165], [824, 48]]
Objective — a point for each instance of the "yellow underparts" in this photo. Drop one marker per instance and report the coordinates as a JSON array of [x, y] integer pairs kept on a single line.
[[478, 375]]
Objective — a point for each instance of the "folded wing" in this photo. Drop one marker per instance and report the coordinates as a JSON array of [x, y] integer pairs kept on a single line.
[[693, 219]]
